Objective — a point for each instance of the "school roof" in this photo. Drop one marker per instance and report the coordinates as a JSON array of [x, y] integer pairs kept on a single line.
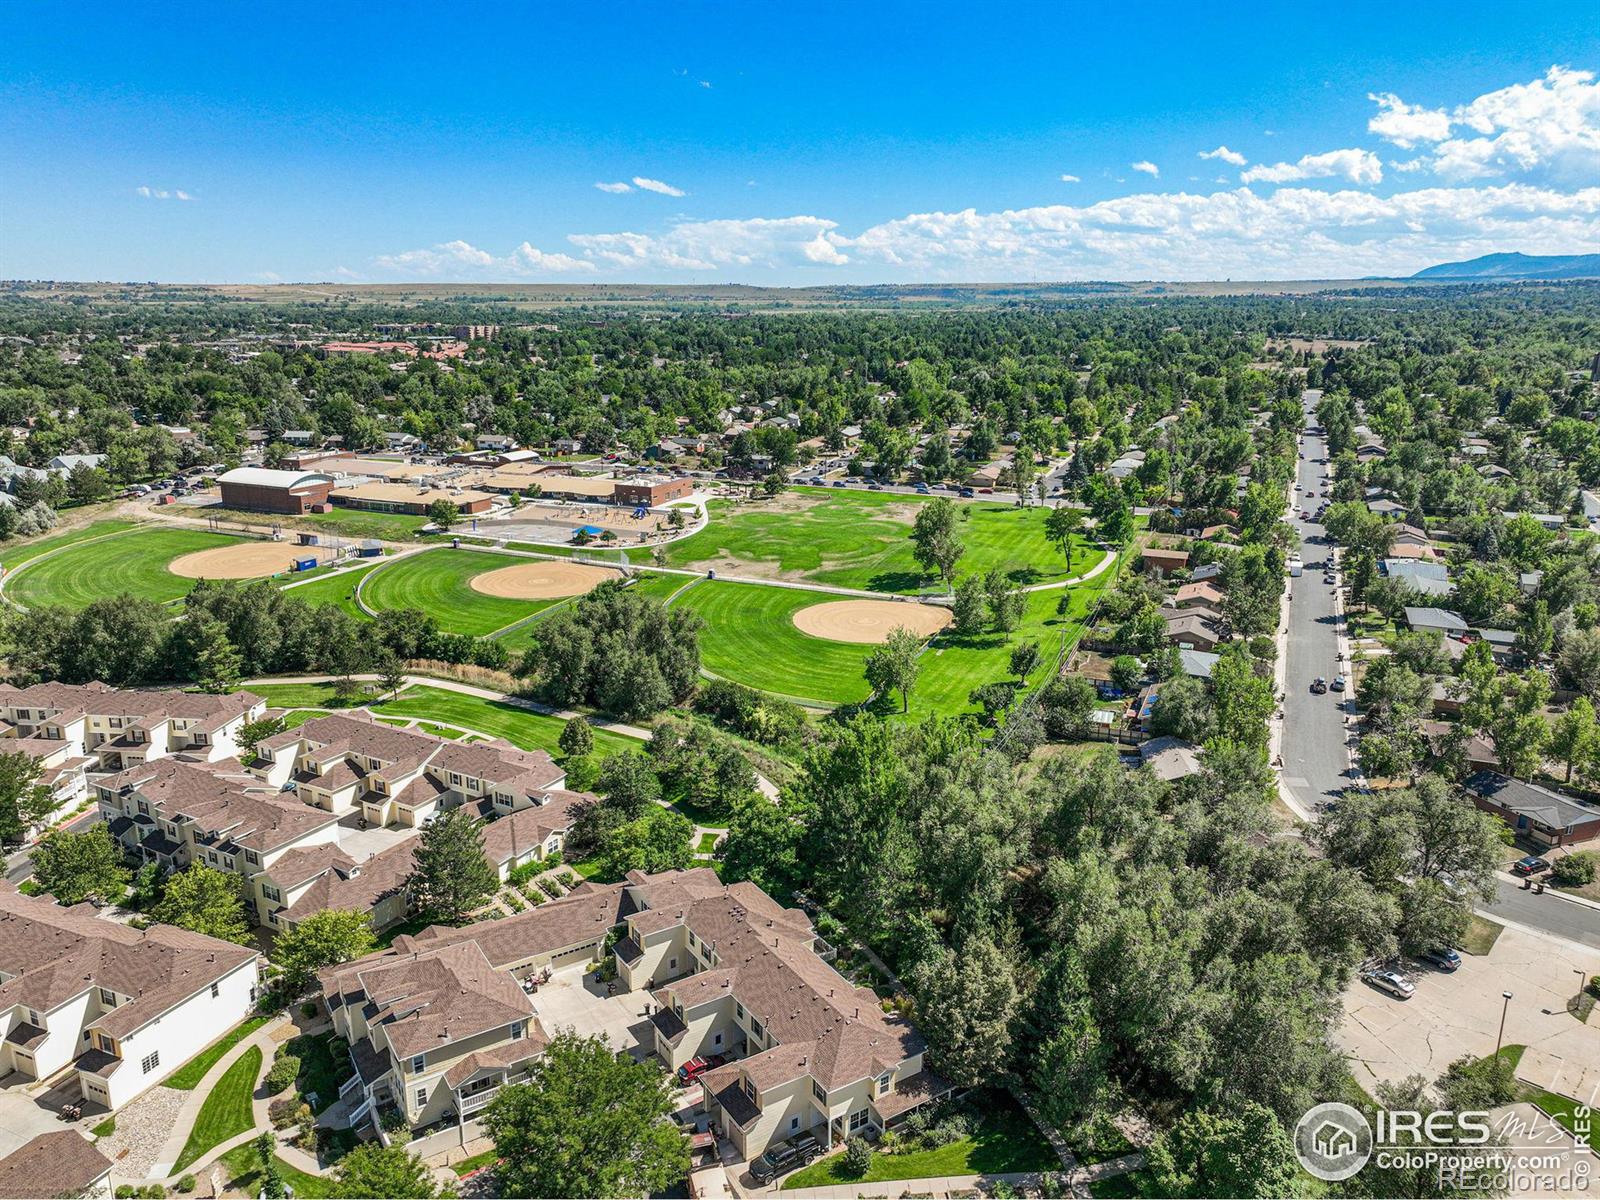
[[269, 478]]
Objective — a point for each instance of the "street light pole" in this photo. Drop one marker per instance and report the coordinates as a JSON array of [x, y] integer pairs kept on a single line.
[[1499, 1037], [1582, 982]]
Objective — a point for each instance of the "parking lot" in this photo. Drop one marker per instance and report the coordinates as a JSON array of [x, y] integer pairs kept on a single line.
[[1458, 1013]]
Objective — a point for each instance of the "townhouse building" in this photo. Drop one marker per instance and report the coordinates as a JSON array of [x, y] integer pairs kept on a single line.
[[343, 764], [121, 1007], [437, 1023], [180, 811], [121, 727]]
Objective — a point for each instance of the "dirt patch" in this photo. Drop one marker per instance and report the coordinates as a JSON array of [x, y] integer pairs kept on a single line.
[[541, 580], [251, 560], [869, 622]]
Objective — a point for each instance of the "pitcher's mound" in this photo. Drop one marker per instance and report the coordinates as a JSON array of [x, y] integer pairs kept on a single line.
[[541, 580], [247, 560], [869, 622]]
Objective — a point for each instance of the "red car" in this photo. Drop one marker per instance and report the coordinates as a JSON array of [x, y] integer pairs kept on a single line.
[[696, 1067]]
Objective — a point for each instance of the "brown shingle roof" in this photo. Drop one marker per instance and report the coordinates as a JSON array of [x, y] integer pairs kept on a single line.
[[61, 1163]]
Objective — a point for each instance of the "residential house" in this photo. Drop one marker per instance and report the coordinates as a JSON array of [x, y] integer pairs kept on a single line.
[[1203, 574], [1429, 578], [122, 1007], [1191, 632], [120, 727], [1197, 664], [307, 880], [1435, 620], [61, 1163], [1545, 817], [1162, 560], [1386, 508], [1170, 758], [1502, 645], [1411, 535], [1204, 594]]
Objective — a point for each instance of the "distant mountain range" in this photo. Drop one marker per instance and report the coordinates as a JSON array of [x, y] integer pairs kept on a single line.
[[1517, 266]]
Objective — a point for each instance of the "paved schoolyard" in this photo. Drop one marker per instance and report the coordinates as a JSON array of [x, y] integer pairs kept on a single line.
[[573, 1000], [1458, 1013]]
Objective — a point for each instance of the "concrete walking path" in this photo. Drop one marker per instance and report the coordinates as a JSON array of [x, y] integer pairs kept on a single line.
[[267, 1042]]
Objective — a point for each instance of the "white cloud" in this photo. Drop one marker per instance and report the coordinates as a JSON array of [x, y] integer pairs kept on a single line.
[[655, 185], [615, 188], [1149, 168], [705, 83], [1070, 179], [756, 242], [1407, 124], [150, 193], [462, 260], [1231, 157], [1358, 166]]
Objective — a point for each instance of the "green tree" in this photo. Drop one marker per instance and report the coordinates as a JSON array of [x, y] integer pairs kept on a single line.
[[657, 840], [1060, 525], [24, 801], [935, 539], [1006, 602], [589, 1122], [1575, 738], [629, 783], [970, 605], [1243, 1152], [74, 867], [324, 939], [450, 876], [577, 738], [206, 901], [1126, 672], [965, 1003], [372, 1169], [444, 514], [1025, 657], [1243, 699], [894, 665], [253, 733]]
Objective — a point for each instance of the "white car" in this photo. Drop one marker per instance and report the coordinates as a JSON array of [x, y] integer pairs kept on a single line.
[[1396, 984]]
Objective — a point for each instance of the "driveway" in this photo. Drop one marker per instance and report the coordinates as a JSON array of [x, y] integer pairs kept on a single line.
[[1458, 1013], [573, 1000], [27, 1110], [361, 844]]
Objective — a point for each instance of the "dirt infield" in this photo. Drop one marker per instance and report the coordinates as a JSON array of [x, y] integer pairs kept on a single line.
[[541, 580], [249, 560], [869, 622]]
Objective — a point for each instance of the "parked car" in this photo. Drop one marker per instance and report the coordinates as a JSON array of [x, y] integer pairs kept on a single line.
[[1530, 864], [1338, 683], [1442, 957], [696, 1067], [838, 483], [785, 1157], [1318, 686], [966, 491], [1391, 981]]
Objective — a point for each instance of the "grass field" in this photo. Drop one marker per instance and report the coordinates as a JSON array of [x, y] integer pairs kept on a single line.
[[339, 588], [863, 540], [519, 726], [226, 1112], [341, 522], [135, 563], [439, 583], [656, 587], [750, 637], [14, 554], [244, 1171]]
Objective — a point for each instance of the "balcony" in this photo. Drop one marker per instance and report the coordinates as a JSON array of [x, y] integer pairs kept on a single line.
[[467, 1105]]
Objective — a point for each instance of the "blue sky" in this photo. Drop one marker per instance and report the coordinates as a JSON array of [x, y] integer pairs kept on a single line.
[[789, 144]]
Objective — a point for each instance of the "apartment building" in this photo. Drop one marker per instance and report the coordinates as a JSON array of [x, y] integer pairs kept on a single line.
[[121, 1007], [121, 727], [398, 776], [733, 973], [178, 811], [306, 881]]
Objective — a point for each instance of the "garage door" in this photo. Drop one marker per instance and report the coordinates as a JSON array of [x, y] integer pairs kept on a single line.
[[566, 957]]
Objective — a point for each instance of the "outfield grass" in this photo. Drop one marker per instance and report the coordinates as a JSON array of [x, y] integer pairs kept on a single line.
[[863, 540], [187, 1077], [226, 1112], [750, 636], [439, 583], [135, 563], [519, 726], [1004, 1141], [14, 554], [337, 588]]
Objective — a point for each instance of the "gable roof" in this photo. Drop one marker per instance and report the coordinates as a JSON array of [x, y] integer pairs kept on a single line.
[[60, 1163], [1551, 809]]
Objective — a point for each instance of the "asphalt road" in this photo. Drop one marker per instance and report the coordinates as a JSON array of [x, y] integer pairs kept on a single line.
[[19, 866], [1316, 761], [1316, 758]]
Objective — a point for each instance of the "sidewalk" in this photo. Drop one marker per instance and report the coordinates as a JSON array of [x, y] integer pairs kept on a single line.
[[262, 1039]]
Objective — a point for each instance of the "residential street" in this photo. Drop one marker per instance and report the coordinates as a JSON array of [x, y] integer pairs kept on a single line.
[[1316, 755]]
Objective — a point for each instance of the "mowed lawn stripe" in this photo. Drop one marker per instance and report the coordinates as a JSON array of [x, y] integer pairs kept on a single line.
[[750, 637], [134, 563], [519, 726], [439, 583], [14, 554], [336, 588], [863, 540]]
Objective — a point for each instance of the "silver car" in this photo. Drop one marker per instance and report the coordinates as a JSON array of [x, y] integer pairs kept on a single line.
[[1396, 984]]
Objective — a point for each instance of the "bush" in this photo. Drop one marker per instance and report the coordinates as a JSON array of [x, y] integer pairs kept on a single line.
[[284, 1072], [857, 1156], [1573, 870], [308, 1010], [283, 1113], [394, 1120], [186, 1184], [126, 1191]]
